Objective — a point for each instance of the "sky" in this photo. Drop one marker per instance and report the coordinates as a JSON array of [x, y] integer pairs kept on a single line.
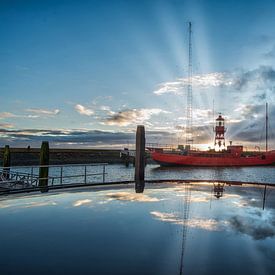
[[84, 74]]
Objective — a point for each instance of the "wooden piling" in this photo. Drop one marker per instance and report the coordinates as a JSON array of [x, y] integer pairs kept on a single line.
[[140, 159], [44, 169], [6, 162]]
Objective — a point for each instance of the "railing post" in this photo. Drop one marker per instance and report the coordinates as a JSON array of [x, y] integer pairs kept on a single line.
[[61, 174], [85, 175], [31, 175], [103, 173]]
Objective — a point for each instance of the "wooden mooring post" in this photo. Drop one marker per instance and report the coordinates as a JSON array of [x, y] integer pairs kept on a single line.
[[44, 168], [6, 162], [140, 159]]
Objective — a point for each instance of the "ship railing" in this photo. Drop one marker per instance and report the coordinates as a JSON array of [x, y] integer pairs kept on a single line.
[[162, 146], [21, 177]]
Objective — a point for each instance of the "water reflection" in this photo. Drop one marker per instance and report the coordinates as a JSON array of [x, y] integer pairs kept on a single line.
[[139, 186], [218, 189], [167, 229]]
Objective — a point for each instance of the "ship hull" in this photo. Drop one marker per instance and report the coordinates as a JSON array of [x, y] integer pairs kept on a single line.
[[170, 159]]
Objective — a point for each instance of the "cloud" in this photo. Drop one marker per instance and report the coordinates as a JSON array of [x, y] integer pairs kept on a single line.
[[6, 125], [250, 127], [257, 79], [257, 229], [131, 116], [259, 82], [247, 129], [105, 108], [86, 138], [7, 115], [202, 81], [270, 53], [66, 138], [43, 112], [83, 110]]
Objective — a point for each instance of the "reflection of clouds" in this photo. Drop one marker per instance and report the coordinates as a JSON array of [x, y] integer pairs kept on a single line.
[[127, 196], [4, 205], [206, 224], [246, 202], [230, 196], [258, 227], [209, 224], [199, 199], [166, 217], [81, 202], [239, 204], [38, 204], [24, 204]]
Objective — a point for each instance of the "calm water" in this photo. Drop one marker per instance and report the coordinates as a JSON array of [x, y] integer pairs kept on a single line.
[[118, 172], [168, 229]]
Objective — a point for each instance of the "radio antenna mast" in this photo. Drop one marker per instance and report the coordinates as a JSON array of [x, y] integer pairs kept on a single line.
[[189, 132]]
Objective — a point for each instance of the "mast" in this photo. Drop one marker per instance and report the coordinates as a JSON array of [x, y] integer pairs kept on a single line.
[[266, 127], [189, 134]]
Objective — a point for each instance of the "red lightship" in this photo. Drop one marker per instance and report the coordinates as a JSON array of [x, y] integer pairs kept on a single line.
[[232, 155]]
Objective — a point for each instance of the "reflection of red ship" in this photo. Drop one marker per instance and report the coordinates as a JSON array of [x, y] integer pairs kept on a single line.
[[232, 155]]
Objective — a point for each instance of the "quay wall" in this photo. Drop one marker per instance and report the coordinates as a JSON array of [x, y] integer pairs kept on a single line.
[[25, 156]]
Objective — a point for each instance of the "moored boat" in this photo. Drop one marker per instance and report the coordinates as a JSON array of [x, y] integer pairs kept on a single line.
[[232, 155]]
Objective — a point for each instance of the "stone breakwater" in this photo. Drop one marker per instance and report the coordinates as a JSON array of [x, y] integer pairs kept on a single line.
[[25, 156]]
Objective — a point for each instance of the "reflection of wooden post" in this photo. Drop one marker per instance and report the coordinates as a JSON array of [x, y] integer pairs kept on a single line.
[[7, 162], [127, 159], [44, 171], [264, 197], [139, 159]]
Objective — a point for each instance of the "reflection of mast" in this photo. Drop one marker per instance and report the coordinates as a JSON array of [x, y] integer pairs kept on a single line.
[[189, 134], [186, 206], [266, 127]]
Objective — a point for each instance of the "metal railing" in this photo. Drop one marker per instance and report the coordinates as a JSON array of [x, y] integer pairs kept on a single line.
[[18, 177], [161, 146]]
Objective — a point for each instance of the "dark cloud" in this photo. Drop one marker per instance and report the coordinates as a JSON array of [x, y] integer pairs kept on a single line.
[[252, 126], [262, 39], [76, 138], [255, 228], [261, 78], [59, 137], [270, 53], [131, 116]]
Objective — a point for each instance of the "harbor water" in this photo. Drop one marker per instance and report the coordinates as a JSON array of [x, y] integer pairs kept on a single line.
[[119, 172]]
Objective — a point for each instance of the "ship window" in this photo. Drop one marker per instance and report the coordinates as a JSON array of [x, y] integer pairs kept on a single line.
[[263, 157]]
